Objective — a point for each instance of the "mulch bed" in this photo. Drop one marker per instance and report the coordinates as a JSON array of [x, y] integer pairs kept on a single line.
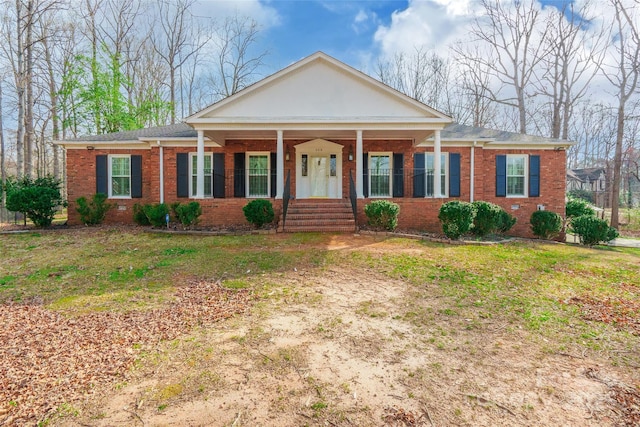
[[49, 359]]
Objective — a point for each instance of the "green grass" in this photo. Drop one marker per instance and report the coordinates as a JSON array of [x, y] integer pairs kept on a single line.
[[95, 269], [518, 285]]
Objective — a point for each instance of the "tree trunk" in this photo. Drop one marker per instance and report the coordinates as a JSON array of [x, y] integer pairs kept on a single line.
[[28, 107], [617, 168]]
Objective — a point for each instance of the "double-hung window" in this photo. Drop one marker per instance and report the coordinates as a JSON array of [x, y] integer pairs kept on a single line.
[[208, 175], [119, 176], [380, 172], [444, 173], [516, 175], [258, 174]]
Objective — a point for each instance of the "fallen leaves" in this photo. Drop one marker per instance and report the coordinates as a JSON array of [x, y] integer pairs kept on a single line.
[[619, 312], [49, 359]]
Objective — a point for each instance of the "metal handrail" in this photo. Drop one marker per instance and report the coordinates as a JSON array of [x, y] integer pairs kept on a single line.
[[286, 195], [353, 196]]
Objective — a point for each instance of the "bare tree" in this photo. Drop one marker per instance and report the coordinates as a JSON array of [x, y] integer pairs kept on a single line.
[[236, 63], [623, 76], [176, 39], [575, 55], [508, 38], [423, 76]]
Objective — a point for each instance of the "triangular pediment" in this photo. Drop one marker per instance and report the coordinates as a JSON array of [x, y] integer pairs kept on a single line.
[[318, 88], [323, 144]]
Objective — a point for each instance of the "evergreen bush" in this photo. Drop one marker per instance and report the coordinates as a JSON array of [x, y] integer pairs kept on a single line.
[[486, 219], [382, 214], [38, 199], [578, 207], [139, 217], [259, 212], [506, 221], [592, 230], [187, 214], [456, 218], [156, 214], [545, 224], [95, 211]]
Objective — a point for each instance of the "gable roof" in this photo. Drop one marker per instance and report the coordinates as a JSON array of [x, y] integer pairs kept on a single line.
[[318, 89]]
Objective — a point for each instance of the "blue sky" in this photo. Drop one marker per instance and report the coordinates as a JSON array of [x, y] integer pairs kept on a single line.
[[355, 32]]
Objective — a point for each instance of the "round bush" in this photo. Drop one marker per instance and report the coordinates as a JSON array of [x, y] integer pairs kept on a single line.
[[259, 212], [545, 224], [456, 218], [486, 219], [592, 230], [506, 221], [93, 212], [578, 207], [382, 214]]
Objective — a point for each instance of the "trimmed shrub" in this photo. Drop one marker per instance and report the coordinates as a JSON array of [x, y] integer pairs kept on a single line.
[[259, 212], [186, 214], [506, 221], [139, 217], [156, 214], [545, 224], [93, 212], [486, 218], [38, 199], [585, 195], [382, 214], [592, 230], [456, 218], [578, 207]]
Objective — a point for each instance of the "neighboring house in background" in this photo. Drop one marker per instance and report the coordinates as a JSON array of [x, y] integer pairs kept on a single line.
[[589, 179], [323, 133]]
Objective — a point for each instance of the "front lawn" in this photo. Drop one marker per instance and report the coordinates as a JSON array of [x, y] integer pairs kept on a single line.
[[426, 312]]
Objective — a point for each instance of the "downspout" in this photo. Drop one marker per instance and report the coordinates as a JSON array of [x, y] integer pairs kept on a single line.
[[472, 175], [161, 172]]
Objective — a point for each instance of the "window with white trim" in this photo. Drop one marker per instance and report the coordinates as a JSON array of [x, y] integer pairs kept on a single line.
[[380, 173], [517, 175], [208, 174], [258, 174], [120, 176], [444, 174]]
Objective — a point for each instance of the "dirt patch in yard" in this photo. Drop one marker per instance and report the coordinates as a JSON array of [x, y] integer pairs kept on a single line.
[[350, 347]]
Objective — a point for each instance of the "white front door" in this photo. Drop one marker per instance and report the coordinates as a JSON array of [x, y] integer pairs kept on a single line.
[[319, 175]]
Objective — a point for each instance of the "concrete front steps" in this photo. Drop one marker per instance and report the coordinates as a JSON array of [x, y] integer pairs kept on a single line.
[[324, 215]]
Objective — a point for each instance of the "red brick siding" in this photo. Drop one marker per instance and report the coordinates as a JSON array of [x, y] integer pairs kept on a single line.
[[416, 213]]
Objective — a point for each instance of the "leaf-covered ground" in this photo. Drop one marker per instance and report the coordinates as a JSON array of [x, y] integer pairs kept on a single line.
[[49, 359], [333, 329]]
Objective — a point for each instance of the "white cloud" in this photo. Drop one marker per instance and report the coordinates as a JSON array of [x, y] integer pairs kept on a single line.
[[430, 23], [265, 15], [364, 20]]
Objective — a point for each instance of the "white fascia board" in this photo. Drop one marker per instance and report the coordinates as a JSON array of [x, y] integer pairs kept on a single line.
[[552, 145], [105, 145]]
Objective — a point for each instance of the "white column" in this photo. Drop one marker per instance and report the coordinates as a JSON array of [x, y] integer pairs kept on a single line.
[[472, 175], [279, 166], [359, 183], [437, 166], [161, 172], [200, 166]]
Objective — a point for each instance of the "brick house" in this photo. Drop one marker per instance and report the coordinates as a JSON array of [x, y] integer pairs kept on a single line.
[[318, 137]]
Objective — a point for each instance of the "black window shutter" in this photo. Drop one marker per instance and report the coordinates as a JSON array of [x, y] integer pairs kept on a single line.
[[365, 174], [454, 174], [274, 174], [102, 175], [501, 175], [534, 176], [239, 182], [218, 175], [182, 175], [136, 176], [419, 189], [398, 175]]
